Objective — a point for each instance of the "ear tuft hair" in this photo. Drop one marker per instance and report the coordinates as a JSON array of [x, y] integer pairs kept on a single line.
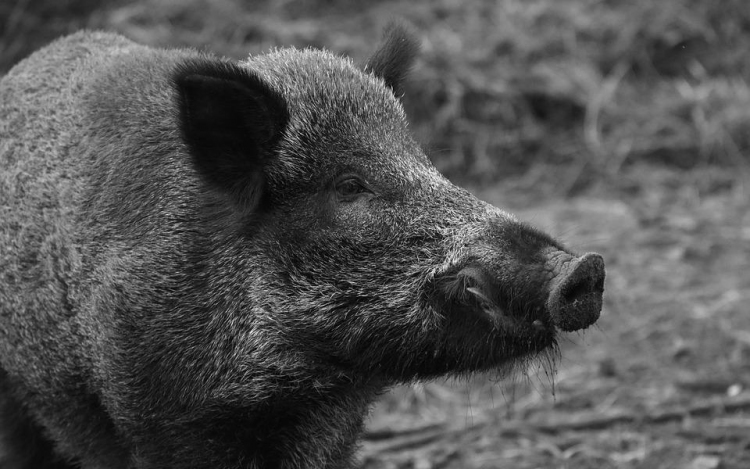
[[395, 56]]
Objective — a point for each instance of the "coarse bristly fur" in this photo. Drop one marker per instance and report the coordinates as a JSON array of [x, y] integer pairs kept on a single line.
[[216, 264]]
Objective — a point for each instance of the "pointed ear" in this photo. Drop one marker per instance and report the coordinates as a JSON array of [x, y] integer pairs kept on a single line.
[[395, 56], [231, 121]]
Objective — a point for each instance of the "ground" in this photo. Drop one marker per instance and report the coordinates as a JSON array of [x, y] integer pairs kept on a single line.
[[661, 382], [621, 128]]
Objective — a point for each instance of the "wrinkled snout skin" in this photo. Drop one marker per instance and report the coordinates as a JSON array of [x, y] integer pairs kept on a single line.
[[217, 264]]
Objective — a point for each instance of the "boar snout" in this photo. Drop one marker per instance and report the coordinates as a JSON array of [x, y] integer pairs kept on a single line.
[[557, 290], [575, 298]]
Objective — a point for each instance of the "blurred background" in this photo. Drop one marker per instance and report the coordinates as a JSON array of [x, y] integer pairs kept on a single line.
[[618, 127]]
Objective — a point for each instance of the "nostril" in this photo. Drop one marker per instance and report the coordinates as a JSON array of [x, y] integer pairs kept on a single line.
[[586, 278], [576, 300], [577, 291]]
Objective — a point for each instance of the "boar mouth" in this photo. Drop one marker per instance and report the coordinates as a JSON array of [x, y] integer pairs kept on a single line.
[[472, 291]]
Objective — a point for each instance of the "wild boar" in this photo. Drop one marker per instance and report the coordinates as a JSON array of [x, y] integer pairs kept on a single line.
[[216, 264]]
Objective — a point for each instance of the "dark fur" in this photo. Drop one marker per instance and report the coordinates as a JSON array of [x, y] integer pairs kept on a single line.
[[234, 132], [209, 264]]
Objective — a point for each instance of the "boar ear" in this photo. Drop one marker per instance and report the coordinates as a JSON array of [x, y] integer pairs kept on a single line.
[[395, 56], [230, 120]]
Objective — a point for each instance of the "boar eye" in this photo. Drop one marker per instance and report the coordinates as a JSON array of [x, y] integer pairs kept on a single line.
[[349, 187]]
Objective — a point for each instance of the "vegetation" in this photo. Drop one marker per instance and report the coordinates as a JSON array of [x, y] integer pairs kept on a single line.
[[639, 109], [503, 87]]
